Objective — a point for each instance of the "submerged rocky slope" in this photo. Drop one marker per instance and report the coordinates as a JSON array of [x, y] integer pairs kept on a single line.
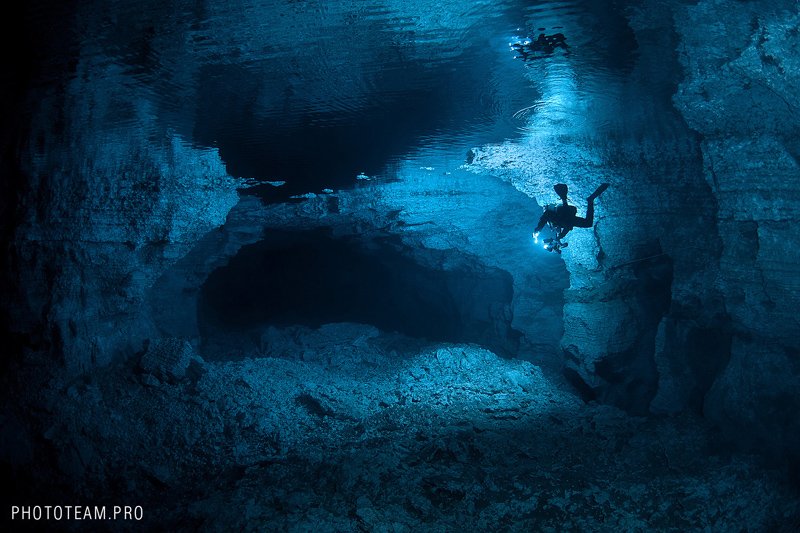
[[373, 434]]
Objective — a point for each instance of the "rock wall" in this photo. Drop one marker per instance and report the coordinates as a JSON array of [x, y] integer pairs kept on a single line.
[[740, 92], [106, 209]]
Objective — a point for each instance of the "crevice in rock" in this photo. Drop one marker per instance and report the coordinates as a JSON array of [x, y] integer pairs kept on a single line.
[[586, 392], [624, 370], [708, 352]]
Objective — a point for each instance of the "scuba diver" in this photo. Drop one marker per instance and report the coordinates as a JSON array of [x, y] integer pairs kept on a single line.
[[543, 46], [562, 218]]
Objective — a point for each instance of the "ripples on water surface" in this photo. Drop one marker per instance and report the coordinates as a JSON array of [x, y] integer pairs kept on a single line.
[[315, 92]]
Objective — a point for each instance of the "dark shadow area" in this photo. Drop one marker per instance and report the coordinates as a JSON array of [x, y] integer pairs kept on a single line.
[[309, 150], [312, 146], [311, 278], [38, 50]]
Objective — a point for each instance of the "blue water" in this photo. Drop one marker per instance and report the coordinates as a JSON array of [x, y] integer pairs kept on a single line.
[[314, 93]]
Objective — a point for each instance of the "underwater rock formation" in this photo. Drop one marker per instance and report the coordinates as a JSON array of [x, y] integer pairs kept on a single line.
[[358, 436], [381, 355], [105, 210], [682, 296], [740, 95]]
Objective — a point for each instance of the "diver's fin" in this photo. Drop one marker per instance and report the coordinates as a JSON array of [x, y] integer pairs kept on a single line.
[[599, 191]]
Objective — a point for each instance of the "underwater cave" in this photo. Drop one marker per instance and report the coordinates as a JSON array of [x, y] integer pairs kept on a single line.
[[275, 266]]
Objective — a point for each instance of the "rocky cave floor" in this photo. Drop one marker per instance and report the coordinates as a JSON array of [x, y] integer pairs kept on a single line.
[[347, 429]]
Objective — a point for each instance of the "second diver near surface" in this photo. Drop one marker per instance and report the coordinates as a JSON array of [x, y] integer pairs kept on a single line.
[[562, 218]]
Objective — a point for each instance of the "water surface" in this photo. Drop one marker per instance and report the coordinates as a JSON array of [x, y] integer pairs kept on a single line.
[[314, 93]]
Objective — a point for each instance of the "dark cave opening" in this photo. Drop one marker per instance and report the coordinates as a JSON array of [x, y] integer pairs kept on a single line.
[[311, 278]]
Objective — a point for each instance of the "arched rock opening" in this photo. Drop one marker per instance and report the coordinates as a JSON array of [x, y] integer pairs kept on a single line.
[[311, 278]]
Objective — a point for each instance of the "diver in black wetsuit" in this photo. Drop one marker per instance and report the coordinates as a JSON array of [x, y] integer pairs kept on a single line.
[[543, 46], [564, 217]]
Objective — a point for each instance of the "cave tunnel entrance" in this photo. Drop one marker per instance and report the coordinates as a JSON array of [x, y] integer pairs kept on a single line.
[[312, 278]]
